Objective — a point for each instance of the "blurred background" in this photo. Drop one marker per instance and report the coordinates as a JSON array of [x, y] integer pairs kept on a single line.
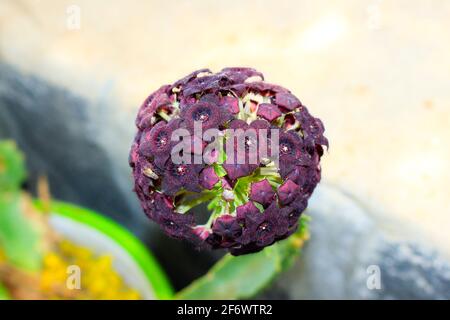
[[73, 74]]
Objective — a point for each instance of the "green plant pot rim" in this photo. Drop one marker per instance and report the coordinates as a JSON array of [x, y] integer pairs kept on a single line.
[[141, 255]]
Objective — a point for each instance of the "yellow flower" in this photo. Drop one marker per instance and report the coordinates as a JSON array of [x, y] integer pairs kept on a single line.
[[99, 280]]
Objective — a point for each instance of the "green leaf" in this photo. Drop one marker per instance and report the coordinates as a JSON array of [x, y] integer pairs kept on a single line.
[[191, 203], [20, 239], [222, 154], [244, 276], [12, 167], [219, 170], [259, 206], [4, 295]]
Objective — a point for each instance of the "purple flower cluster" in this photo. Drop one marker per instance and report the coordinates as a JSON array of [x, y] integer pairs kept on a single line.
[[254, 209]]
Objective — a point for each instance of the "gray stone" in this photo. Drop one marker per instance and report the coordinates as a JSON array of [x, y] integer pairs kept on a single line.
[[55, 129], [413, 272], [350, 250]]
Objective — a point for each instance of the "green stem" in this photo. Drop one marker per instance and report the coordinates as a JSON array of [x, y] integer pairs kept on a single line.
[[164, 115], [186, 206]]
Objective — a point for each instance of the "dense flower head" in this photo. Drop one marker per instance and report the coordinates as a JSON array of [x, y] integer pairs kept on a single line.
[[248, 149]]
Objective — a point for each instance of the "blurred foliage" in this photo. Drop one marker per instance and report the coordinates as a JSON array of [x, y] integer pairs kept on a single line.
[[3, 293], [12, 168], [20, 238], [33, 259], [243, 277]]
